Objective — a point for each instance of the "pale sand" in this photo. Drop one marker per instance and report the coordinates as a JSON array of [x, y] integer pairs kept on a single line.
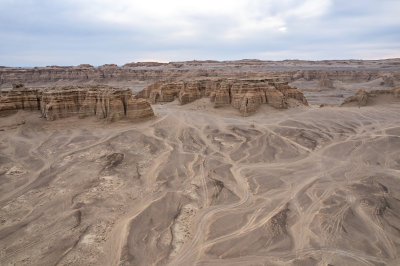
[[203, 186]]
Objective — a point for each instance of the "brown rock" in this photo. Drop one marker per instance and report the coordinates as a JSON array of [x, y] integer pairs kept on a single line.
[[19, 98], [246, 95], [275, 98], [388, 81], [145, 93], [165, 92], [249, 102], [291, 92], [191, 91], [326, 83], [104, 102], [18, 86], [363, 98], [145, 64], [360, 98], [344, 71], [222, 94]]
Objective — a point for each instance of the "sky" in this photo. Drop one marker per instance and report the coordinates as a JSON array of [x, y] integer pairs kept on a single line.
[[72, 32]]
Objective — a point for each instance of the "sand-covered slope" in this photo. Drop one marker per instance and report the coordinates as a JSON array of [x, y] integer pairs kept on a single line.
[[305, 186]]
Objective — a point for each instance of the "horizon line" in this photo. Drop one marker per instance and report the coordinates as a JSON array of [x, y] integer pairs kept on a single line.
[[204, 61]]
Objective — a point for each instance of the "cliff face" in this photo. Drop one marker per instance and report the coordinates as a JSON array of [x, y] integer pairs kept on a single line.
[[345, 71], [19, 98], [244, 95], [350, 75], [53, 75], [104, 102]]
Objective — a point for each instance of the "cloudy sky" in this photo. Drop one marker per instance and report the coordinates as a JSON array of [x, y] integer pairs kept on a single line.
[[71, 32]]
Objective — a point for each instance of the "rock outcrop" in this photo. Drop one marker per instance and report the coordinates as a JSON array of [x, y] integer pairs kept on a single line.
[[104, 102], [360, 98], [19, 98], [190, 91], [388, 81], [364, 98], [150, 72], [326, 83], [246, 95]]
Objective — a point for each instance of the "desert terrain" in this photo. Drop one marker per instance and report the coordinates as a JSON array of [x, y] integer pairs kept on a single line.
[[314, 184]]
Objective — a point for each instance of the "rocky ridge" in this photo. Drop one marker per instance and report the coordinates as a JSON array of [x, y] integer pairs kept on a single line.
[[246, 95], [150, 72], [104, 102]]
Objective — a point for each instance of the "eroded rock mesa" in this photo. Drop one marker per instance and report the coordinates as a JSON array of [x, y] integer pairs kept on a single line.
[[348, 71], [246, 95], [104, 102], [19, 98]]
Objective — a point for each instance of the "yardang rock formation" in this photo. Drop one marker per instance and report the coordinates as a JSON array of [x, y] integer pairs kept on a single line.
[[246, 95], [364, 98], [104, 102]]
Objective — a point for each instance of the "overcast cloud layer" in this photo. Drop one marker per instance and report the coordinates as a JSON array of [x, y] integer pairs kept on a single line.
[[71, 32]]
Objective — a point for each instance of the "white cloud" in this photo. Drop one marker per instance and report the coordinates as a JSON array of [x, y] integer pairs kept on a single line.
[[309, 9], [182, 19], [119, 31], [250, 26], [283, 29]]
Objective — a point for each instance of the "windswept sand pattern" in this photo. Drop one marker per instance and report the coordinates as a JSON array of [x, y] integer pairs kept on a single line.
[[193, 186]]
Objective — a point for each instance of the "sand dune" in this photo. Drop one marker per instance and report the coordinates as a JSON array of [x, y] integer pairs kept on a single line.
[[202, 186]]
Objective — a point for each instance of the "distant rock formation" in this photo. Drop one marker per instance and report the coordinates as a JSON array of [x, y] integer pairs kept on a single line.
[[104, 102], [364, 98], [360, 98], [350, 75], [246, 95], [326, 82], [288, 70], [145, 64], [388, 81], [19, 98]]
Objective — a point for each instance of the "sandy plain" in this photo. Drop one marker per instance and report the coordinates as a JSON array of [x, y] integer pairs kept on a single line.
[[202, 186]]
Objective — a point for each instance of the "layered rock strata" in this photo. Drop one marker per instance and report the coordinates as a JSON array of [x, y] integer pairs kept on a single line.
[[288, 70], [246, 95], [364, 98], [326, 83], [104, 102], [19, 98]]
